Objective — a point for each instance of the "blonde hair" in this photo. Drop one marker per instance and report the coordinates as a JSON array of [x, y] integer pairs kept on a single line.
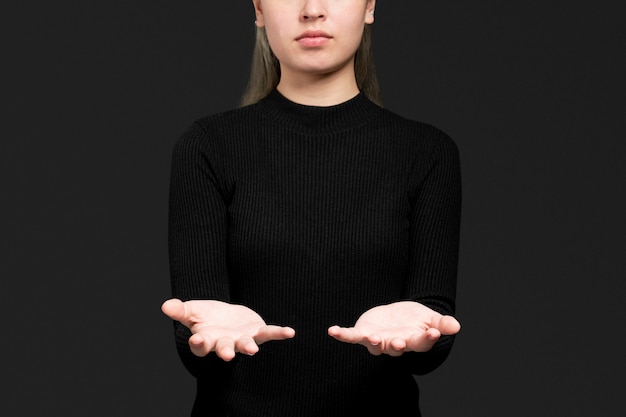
[[265, 69]]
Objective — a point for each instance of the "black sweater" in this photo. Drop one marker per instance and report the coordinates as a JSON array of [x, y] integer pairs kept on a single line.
[[310, 216]]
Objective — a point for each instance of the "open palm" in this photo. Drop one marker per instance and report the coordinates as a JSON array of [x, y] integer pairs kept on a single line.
[[224, 328], [395, 328]]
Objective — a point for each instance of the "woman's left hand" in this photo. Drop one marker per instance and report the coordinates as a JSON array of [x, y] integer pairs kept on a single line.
[[393, 329]]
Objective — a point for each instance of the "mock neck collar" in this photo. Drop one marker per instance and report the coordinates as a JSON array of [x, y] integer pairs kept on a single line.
[[308, 119]]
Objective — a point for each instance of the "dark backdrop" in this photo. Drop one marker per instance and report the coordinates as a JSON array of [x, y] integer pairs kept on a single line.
[[95, 94]]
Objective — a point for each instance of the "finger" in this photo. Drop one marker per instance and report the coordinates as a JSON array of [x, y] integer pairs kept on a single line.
[[201, 345], [346, 334], [375, 340], [393, 347], [246, 345], [375, 345], [396, 346], [446, 324], [267, 333], [423, 342], [225, 348], [375, 350], [174, 309]]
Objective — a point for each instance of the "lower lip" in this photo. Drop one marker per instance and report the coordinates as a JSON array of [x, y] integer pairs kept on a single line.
[[313, 41]]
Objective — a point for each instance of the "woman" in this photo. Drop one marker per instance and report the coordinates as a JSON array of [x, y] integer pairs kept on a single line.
[[317, 224]]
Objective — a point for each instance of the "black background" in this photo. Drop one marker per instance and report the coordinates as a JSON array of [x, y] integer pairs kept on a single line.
[[95, 94]]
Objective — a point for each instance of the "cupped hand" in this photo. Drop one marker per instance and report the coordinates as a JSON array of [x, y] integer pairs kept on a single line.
[[395, 328], [224, 328]]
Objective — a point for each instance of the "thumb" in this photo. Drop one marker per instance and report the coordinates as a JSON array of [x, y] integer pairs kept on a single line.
[[447, 325], [174, 309]]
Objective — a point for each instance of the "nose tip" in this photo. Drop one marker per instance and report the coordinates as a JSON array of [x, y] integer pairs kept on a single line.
[[312, 16], [313, 10]]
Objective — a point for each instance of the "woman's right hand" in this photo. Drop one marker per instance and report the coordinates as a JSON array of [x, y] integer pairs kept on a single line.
[[224, 328]]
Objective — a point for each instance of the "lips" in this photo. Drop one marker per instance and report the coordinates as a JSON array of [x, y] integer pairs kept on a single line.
[[313, 38], [313, 34]]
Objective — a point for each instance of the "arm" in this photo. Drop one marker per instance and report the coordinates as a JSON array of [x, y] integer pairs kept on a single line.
[[435, 229], [205, 321], [197, 232], [421, 328]]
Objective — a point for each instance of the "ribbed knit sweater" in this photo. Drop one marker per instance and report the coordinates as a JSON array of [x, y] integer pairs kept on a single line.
[[310, 216]]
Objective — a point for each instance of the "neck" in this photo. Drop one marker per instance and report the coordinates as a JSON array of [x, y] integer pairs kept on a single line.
[[326, 89]]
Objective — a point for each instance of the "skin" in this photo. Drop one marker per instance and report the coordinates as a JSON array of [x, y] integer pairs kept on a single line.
[[228, 329], [319, 75], [395, 328], [224, 328]]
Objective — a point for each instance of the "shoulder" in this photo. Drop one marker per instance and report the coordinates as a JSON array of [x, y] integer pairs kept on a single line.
[[208, 131], [229, 119], [424, 136]]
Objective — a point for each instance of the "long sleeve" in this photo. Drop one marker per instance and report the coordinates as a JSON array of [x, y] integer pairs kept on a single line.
[[197, 232], [310, 216], [434, 249]]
